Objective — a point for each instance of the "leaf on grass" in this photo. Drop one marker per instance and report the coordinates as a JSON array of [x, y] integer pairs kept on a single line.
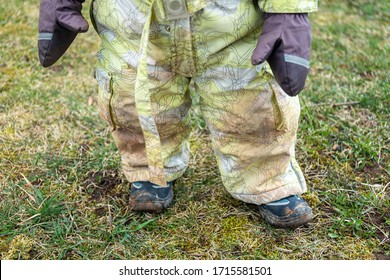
[[90, 101], [333, 235]]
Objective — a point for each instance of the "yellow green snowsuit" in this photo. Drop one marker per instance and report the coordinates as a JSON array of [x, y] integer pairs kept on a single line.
[[145, 65]]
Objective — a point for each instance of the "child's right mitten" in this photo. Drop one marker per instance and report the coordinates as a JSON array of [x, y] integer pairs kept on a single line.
[[59, 23]]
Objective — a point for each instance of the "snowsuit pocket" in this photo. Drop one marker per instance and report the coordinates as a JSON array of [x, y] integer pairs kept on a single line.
[[105, 94]]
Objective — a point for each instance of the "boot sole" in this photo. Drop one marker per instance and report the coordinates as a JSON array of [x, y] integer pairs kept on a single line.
[[287, 222], [141, 204]]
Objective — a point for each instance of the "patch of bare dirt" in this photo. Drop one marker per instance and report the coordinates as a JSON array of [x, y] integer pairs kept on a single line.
[[101, 183]]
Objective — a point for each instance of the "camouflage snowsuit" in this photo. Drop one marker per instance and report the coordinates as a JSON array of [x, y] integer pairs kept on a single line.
[[145, 65]]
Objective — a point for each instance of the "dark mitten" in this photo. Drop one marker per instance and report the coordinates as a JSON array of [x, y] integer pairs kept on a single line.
[[285, 43], [59, 23]]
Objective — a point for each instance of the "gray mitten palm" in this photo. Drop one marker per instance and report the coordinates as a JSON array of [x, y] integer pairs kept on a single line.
[[285, 43], [59, 23]]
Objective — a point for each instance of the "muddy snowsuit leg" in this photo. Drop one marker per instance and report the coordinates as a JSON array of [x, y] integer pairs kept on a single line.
[[145, 65]]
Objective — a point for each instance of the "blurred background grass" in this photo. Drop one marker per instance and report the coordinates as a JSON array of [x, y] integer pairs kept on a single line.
[[62, 195]]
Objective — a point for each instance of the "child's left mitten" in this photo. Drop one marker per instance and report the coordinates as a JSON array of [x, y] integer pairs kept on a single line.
[[285, 43]]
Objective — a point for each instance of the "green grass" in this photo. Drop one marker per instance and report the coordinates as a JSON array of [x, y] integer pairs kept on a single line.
[[62, 195]]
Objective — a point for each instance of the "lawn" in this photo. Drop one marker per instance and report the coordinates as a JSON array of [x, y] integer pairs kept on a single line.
[[62, 195]]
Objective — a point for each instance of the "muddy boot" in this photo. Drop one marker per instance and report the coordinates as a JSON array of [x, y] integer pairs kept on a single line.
[[289, 212], [148, 197]]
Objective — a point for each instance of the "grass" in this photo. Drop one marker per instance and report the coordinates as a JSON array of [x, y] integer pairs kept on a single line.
[[62, 195]]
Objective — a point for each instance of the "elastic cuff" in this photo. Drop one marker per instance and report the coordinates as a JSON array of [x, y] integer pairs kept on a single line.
[[143, 175], [272, 195]]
